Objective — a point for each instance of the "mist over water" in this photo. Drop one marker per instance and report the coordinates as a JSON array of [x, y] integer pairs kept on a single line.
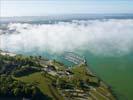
[[100, 37]]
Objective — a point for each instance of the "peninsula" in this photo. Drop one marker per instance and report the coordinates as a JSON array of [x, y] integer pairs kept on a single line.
[[37, 78]]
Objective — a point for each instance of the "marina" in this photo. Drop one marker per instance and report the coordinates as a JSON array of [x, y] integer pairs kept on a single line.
[[74, 58]]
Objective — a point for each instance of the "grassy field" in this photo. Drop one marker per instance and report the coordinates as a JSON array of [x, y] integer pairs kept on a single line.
[[80, 72], [43, 83]]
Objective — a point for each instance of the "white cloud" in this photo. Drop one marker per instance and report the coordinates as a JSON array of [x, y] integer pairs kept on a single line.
[[108, 37]]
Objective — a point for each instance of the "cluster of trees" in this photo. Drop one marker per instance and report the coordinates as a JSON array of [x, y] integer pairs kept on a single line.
[[63, 83], [13, 88], [19, 66], [10, 64], [25, 70]]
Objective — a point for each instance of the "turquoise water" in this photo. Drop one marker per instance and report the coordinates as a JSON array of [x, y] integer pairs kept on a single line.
[[115, 71]]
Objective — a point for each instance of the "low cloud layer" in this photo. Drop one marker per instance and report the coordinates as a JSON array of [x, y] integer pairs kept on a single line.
[[106, 37]]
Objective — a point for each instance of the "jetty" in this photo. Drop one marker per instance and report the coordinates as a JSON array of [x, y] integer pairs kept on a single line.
[[74, 58]]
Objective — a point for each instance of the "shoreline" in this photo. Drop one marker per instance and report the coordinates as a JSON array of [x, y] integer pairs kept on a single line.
[[106, 85]]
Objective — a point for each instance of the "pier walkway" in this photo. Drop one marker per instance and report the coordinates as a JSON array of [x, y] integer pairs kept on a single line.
[[74, 58]]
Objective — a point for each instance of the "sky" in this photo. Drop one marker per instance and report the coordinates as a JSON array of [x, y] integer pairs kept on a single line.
[[10, 8]]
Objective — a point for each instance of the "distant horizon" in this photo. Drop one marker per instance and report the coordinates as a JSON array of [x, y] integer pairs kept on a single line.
[[11, 8], [69, 14]]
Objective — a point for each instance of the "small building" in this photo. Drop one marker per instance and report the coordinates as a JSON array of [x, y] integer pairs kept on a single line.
[[51, 67]]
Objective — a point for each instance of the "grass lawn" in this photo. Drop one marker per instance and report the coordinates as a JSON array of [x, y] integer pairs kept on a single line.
[[80, 71], [43, 83], [99, 97]]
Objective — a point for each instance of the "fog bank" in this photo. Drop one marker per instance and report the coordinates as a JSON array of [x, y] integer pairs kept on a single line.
[[106, 37]]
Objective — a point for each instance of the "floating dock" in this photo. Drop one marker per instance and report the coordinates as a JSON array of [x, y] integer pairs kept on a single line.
[[74, 58]]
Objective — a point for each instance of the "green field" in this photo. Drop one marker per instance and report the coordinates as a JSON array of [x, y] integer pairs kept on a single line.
[[43, 83]]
